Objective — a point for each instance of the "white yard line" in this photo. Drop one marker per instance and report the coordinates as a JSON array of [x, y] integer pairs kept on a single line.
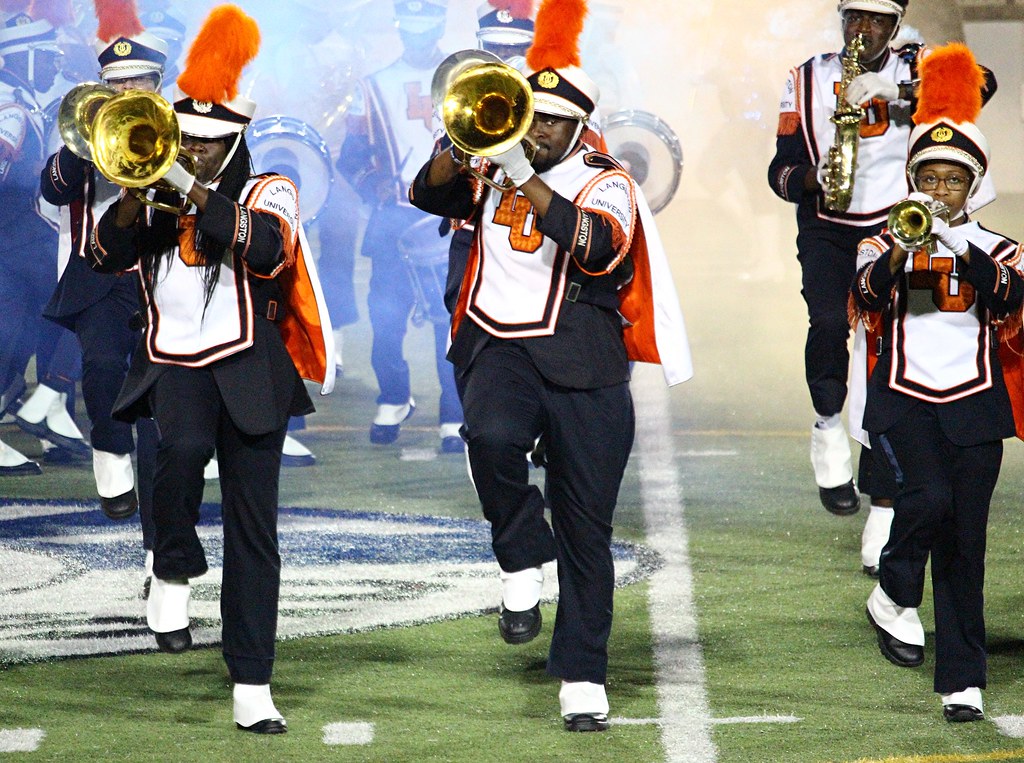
[[358, 733], [20, 740], [679, 662]]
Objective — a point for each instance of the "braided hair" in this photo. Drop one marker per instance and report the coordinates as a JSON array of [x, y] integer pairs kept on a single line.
[[160, 240]]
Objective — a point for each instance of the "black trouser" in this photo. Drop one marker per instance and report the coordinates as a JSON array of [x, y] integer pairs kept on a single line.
[[942, 509], [107, 343], [390, 301], [193, 421], [588, 434], [828, 264]]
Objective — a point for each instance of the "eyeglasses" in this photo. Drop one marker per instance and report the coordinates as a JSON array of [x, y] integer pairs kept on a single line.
[[878, 21], [953, 183]]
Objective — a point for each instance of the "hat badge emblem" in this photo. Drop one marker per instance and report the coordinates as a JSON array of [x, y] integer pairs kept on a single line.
[[505, 17], [122, 48], [548, 80], [942, 135], [202, 107]]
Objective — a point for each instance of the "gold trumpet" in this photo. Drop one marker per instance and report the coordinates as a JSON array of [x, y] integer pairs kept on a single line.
[[487, 107], [133, 138], [910, 223]]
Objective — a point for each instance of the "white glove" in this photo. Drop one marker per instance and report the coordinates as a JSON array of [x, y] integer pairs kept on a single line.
[[517, 167], [923, 198], [869, 85], [179, 179], [952, 240]]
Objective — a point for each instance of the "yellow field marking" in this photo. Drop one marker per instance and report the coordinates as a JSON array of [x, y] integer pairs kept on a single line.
[[949, 758]]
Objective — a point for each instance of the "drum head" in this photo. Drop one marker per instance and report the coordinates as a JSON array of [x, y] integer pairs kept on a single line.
[[292, 148], [650, 150]]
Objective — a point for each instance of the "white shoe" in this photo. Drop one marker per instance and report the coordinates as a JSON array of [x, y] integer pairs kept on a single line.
[[584, 706], [255, 711], [830, 452], [37, 407], [113, 473], [388, 421], [167, 614], [451, 439], [13, 462], [963, 706], [875, 535], [902, 623], [294, 453], [521, 590]]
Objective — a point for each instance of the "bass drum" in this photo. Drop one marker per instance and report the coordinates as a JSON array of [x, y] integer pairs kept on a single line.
[[650, 150], [425, 254], [292, 148]]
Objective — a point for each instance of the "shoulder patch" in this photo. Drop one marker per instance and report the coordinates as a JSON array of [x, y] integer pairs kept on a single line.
[[604, 161], [278, 196], [13, 125]]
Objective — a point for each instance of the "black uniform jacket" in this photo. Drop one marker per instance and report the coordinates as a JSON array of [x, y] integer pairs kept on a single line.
[[68, 181], [259, 385]]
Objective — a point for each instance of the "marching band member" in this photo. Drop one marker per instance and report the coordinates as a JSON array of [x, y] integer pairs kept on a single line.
[[235, 315], [539, 349]]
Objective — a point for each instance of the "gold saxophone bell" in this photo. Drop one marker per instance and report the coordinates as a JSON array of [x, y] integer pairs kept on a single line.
[[487, 109], [910, 223], [133, 137], [841, 163]]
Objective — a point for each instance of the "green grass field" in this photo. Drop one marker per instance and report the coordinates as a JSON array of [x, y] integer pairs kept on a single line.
[[778, 592]]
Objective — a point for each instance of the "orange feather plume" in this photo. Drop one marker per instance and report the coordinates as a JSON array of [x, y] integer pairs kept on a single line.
[[117, 18], [227, 42], [556, 41], [518, 9], [951, 83]]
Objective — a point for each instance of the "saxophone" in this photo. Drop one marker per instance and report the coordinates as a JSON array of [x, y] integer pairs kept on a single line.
[[837, 175]]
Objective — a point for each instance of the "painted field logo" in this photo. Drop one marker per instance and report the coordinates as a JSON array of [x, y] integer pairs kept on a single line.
[[73, 579]]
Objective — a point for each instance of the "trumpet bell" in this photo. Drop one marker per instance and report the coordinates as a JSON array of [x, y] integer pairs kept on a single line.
[[452, 67], [78, 109], [910, 222], [488, 108], [135, 138]]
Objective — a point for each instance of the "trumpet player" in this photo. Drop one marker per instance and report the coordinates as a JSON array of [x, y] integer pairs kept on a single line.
[[101, 309], [937, 405], [225, 285], [539, 348]]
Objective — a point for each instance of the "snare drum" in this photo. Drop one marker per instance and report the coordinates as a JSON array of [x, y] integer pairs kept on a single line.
[[650, 150], [290, 147], [425, 253]]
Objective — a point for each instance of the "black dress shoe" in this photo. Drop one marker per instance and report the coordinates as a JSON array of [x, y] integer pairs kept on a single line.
[[267, 726], [586, 722], [120, 506], [871, 570], [962, 713], [841, 501], [895, 651], [519, 627], [21, 470], [174, 642], [77, 447]]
